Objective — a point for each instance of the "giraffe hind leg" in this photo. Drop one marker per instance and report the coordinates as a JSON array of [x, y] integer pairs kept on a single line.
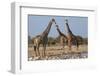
[[77, 45]]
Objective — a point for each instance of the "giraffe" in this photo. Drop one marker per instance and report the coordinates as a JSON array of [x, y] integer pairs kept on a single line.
[[43, 39], [71, 37], [63, 37]]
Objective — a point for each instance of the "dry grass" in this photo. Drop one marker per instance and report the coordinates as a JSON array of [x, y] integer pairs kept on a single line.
[[56, 52]]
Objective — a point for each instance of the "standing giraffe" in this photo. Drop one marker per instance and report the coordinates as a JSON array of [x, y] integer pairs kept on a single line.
[[71, 37], [43, 39], [63, 37]]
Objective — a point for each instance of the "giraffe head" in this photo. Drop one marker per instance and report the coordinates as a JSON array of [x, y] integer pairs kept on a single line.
[[53, 20], [66, 20]]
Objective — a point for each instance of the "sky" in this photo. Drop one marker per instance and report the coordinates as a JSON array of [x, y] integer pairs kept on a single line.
[[38, 23]]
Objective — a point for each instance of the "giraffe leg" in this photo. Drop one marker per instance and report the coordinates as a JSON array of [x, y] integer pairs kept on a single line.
[[77, 45], [38, 50], [44, 50], [35, 50], [69, 44], [63, 45], [76, 42]]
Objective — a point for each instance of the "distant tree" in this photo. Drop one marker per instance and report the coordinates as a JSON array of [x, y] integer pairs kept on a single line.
[[80, 40], [51, 41], [58, 39], [85, 40], [29, 40]]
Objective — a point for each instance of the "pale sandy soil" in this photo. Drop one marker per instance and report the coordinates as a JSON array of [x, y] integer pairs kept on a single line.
[[55, 52]]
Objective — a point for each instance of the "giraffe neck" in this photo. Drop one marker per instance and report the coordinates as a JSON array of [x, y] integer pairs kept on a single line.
[[68, 29], [47, 30], [60, 33]]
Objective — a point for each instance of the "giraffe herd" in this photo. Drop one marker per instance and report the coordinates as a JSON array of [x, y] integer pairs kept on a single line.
[[43, 38]]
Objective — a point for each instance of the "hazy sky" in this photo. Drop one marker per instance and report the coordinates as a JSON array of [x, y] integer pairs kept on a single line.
[[37, 24]]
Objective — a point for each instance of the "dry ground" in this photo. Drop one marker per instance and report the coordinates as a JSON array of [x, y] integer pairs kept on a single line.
[[56, 52]]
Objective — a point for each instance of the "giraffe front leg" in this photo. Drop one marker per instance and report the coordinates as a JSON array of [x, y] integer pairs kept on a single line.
[[35, 51], [45, 53], [69, 44], [44, 50], [38, 51]]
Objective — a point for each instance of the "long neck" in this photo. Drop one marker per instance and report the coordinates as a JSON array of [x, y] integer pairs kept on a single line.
[[47, 30], [68, 29], [60, 33]]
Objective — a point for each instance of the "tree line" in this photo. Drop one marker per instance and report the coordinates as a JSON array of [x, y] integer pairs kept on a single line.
[[56, 41]]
